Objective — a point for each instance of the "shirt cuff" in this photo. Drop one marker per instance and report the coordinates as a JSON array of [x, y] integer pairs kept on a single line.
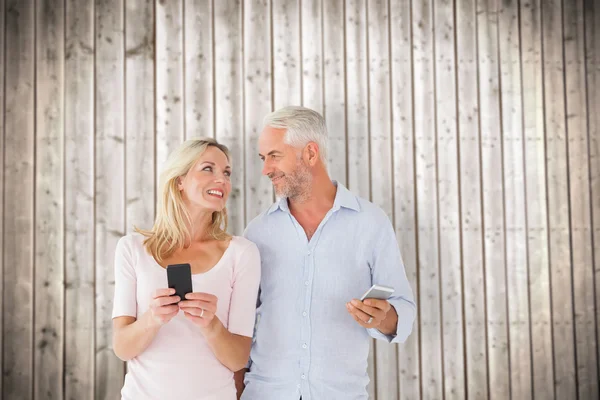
[[406, 317]]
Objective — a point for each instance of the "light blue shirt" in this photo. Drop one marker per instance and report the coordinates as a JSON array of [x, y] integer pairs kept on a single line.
[[305, 341]]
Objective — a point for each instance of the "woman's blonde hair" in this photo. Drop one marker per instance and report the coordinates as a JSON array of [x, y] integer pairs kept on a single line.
[[170, 231]]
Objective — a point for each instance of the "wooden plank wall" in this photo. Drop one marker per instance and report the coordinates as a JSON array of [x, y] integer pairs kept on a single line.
[[474, 124]]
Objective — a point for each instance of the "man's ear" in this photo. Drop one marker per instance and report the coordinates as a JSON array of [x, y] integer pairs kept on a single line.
[[312, 153]]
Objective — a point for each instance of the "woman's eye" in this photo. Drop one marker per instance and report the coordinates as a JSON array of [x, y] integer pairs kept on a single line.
[[208, 168], [227, 173]]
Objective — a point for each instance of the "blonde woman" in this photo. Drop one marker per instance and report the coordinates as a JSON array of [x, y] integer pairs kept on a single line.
[[186, 348]]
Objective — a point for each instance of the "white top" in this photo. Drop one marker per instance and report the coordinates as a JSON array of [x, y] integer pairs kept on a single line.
[[179, 364]]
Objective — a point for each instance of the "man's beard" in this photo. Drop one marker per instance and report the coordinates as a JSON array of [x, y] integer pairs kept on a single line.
[[295, 185]]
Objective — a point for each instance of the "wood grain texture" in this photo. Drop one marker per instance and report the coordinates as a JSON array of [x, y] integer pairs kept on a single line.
[[19, 191], [79, 200], [109, 148], [334, 90], [229, 100], [514, 202], [198, 65], [312, 17], [140, 141], [380, 135], [170, 101], [537, 211], [287, 70], [579, 199], [403, 156], [49, 193], [492, 199], [257, 103], [475, 333], [427, 200], [592, 68], [2, 145], [448, 200], [561, 277]]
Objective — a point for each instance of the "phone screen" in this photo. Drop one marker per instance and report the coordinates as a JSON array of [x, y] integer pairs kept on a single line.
[[179, 277]]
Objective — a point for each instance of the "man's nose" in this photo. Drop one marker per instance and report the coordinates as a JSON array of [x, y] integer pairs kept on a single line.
[[267, 169]]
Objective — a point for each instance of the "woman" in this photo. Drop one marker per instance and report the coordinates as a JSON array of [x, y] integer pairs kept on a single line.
[[186, 348]]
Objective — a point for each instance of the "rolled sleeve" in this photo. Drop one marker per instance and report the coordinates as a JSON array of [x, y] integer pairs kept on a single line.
[[388, 269]]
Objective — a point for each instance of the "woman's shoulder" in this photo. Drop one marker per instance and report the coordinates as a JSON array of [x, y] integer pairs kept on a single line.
[[242, 246], [132, 241]]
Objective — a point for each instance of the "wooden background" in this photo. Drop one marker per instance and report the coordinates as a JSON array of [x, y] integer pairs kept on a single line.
[[475, 124]]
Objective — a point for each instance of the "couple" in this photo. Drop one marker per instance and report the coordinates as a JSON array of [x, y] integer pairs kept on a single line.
[[303, 333]]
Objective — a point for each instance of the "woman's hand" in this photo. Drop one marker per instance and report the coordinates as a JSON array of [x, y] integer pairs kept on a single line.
[[200, 308], [163, 307]]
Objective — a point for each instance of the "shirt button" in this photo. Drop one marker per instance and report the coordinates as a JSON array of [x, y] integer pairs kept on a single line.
[[308, 253], [304, 346], [306, 283], [304, 314], [303, 376], [298, 385]]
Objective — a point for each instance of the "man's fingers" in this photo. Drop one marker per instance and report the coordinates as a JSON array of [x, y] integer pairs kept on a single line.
[[360, 315], [383, 305], [374, 312]]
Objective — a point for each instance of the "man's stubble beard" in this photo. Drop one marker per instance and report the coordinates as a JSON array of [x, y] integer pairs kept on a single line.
[[296, 186]]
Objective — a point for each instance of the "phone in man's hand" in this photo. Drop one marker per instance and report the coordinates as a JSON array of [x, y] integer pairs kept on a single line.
[[378, 292], [179, 277]]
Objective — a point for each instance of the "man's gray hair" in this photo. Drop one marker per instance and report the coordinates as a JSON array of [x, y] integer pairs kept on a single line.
[[302, 125]]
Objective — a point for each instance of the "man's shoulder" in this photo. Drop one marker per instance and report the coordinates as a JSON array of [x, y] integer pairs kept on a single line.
[[259, 222], [370, 211]]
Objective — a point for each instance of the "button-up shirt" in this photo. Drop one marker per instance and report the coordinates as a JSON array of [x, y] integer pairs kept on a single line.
[[305, 342]]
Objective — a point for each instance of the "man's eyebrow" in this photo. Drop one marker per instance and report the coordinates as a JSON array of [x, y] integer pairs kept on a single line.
[[271, 153]]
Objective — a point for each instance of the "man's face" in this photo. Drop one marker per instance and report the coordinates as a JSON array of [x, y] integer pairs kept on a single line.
[[283, 164]]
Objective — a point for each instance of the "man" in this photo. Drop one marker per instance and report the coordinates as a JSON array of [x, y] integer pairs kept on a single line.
[[321, 247]]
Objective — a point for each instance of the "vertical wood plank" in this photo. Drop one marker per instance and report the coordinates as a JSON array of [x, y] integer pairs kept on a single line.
[[579, 200], [139, 114], [229, 99], [2, 144], [19, 143], [404, 181], [592, 59], [357, 92], [49, 194], [287, 70], [493, 207], [110, 185], [386, 358], [79, 200], [170, 123], [199, 90], [558, 202], [312, 15], [334, 89], [448, 201], [514, 196], [258, 95], [427, 212], [537, 214], [475, 335]]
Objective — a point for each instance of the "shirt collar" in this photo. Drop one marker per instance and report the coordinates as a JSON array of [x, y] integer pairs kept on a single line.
[[343, 198]]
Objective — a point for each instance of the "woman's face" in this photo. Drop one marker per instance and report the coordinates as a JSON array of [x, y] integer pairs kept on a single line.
[[208, 183]]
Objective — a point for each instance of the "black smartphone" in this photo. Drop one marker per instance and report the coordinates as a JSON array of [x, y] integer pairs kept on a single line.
[[179, 277]]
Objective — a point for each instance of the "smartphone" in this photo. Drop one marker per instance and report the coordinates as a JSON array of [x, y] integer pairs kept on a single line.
[[179, 277], [378, 292]]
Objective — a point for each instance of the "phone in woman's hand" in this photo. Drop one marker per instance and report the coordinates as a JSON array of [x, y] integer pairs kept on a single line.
[[179, 277]]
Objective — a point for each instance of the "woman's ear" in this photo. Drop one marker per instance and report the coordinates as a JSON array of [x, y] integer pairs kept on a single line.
[[179, 183]]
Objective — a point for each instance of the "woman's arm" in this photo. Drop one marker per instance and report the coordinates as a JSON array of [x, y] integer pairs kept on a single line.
[[230, 349], [131, 337]]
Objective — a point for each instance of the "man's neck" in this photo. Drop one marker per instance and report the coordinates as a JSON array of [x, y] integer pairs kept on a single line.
[[318, 200]]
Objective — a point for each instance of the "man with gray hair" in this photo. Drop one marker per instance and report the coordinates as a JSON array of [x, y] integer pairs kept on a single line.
[[321, 248]]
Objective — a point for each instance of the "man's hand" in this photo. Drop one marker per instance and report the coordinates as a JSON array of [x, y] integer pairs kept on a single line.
[[374, 313]]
